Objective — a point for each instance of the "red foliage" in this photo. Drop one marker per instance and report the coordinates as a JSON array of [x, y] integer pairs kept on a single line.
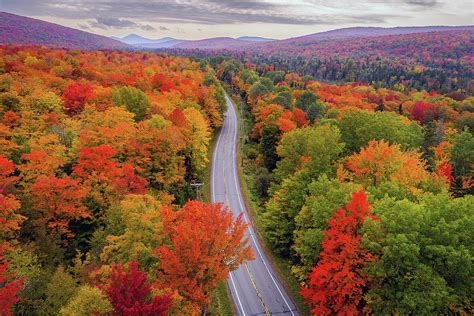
[[59, 201], [445, 170], [9, 287], [6, 170], [75, 97], [129, 293], [10, 119], [178, 118], [336, 284], [206, 244], [95, 165]]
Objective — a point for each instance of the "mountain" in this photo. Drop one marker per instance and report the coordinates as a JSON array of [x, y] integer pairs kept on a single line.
[[356, 32], [214, 43], [20, 30], [143, 42], [255, 39]]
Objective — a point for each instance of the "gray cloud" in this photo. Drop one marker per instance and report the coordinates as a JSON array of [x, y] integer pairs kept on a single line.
[[116, 23], [423, 3], [121, 14]]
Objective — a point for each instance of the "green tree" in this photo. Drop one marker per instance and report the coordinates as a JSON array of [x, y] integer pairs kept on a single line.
[[427, 254], [305, 100], [463, 154], [59, 290], [268, 142], [313, 147], [87, 301], [324, 195], [359, 127], [133, 99], [258, 89]]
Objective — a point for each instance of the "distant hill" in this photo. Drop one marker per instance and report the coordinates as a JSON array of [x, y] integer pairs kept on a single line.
[[208, 43], [140, 41], [214, 43], [255, 39], [356, 32], [20, 30]]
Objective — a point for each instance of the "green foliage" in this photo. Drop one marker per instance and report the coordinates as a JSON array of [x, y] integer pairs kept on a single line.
[[313, 147], [133, 230], [359, 127], [269, 140], [59, 290], [133, 99], [463, 154], [87, 301], [285, 99], [315, 111], [258, 89], [427, 254], [324, 196], [305, 100], [281, 209]]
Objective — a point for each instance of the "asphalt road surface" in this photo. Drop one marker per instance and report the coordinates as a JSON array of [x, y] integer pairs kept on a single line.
[[254, 287]]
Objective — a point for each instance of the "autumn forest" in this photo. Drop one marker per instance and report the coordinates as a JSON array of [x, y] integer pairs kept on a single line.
[[355, 168]]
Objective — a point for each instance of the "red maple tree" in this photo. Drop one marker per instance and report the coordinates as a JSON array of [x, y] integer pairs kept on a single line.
[[75, 97], [129, 293], [336, 284], [206, 244]]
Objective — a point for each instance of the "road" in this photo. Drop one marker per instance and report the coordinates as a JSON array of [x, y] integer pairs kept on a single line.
[[254, 287]]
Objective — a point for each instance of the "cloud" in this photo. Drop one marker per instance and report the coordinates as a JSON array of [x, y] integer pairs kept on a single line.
[[84, 27], [142, 13], [116, 23], [122, 14], [423, 3]]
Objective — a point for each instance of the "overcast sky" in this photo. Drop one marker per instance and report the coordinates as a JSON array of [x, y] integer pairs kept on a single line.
[[210, 18]]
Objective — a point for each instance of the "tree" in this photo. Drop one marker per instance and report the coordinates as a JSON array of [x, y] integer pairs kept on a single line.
[[129, 292], [359, 127], [133, 229], [105, 178], [10, 220], [380, 162], [312, 147], [58, 201], [323, 197], [269, 140], [88, 300], [305, 100], [426, 256], [257, 90], [205, 244], [75, 96], [133, 99], [9, 286], [60, 290], [337, 283]]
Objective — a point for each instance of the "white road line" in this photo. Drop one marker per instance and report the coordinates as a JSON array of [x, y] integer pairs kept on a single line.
[[249, 228], [236, 293], [214, 200]]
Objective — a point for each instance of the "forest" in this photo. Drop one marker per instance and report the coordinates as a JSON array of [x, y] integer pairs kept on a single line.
[[366, 192], [434, 61], [357, 168], [97, 153]]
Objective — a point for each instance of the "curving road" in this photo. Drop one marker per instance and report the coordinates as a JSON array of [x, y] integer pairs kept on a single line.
[[254, 287]]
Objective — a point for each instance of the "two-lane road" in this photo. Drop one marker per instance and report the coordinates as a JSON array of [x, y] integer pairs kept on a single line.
[[255, 287]]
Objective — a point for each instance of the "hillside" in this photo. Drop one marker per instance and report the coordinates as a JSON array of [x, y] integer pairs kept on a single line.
[[214, 43], [19, 30]]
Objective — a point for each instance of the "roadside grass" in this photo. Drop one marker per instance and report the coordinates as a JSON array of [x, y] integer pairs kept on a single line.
[[221, 304], [254, 207]]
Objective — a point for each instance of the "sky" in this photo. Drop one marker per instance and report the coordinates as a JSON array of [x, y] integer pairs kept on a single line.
[[214, 18]]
